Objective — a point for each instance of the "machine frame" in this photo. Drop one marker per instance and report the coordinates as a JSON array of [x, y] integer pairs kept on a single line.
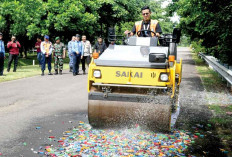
[[118, 92]]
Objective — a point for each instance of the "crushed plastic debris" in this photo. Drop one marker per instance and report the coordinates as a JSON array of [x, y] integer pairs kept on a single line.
[[85, 141], [51, 136]]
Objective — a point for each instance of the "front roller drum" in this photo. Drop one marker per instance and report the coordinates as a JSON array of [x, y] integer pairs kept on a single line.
[[154, 115]]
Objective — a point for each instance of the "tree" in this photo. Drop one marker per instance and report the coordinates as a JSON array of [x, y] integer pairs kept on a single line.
[[208, 21], [158, 13], [28, 19]]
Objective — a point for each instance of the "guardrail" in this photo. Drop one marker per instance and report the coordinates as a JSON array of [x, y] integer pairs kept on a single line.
[[224, 71]]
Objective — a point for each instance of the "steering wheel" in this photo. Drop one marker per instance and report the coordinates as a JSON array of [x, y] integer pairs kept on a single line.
[[139, 32]]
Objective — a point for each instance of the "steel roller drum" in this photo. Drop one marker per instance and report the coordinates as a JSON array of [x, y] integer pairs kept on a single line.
[[122, 110]]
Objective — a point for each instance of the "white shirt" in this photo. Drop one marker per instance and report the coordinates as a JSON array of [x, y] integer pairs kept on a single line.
[[87, 48]]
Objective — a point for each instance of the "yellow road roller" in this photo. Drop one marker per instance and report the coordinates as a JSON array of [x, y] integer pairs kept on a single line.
[[135, 83]]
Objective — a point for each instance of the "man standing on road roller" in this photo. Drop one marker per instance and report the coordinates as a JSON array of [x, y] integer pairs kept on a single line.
[[59, 55], [146, 25], [46, 49]]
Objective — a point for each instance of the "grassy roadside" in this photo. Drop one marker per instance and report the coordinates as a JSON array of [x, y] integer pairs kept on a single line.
[[222, 113], [26, 69]]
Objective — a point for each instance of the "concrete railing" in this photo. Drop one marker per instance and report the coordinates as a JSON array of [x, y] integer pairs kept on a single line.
[[224, 71]]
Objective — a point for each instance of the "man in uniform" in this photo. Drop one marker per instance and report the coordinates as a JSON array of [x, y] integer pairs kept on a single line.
[[46, 49], [148, 27], [59, 55], [70, 55], [77, 51]]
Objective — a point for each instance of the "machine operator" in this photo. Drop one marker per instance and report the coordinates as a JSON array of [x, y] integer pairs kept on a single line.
[[146, 27]]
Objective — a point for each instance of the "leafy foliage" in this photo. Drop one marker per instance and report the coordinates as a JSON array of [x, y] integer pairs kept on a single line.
[[207, 20]]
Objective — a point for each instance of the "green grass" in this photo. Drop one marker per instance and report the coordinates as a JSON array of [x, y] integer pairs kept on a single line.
[[221, 109], [221, 119], [210, 79], [25, 68]]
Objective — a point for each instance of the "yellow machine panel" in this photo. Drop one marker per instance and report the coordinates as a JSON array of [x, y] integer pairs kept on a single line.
[[135, 76]]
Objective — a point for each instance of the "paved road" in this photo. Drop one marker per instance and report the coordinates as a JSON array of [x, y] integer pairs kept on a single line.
[[57, 103], [192, 94], [49, 102]]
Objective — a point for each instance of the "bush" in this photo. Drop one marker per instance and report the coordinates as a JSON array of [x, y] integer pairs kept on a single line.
[[197, 47]]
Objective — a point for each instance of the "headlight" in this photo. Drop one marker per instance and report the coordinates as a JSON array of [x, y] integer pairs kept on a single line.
[[97, 73], [164, 77]]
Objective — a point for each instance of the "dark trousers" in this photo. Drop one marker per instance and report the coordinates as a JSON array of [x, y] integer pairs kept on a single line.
[[45, 60], [76, 62], [1, 63], [39, 57], [86, 59], [11, 58]]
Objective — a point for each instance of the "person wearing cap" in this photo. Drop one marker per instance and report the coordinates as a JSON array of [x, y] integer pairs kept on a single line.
[[46, 49], [59, 55], [13, 47], [100, 46], [70, 55], [37, 46], [2, 54], [87, 52], [77, 51]]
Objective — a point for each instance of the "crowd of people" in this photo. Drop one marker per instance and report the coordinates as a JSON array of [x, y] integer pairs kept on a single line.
[[79, 51]]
